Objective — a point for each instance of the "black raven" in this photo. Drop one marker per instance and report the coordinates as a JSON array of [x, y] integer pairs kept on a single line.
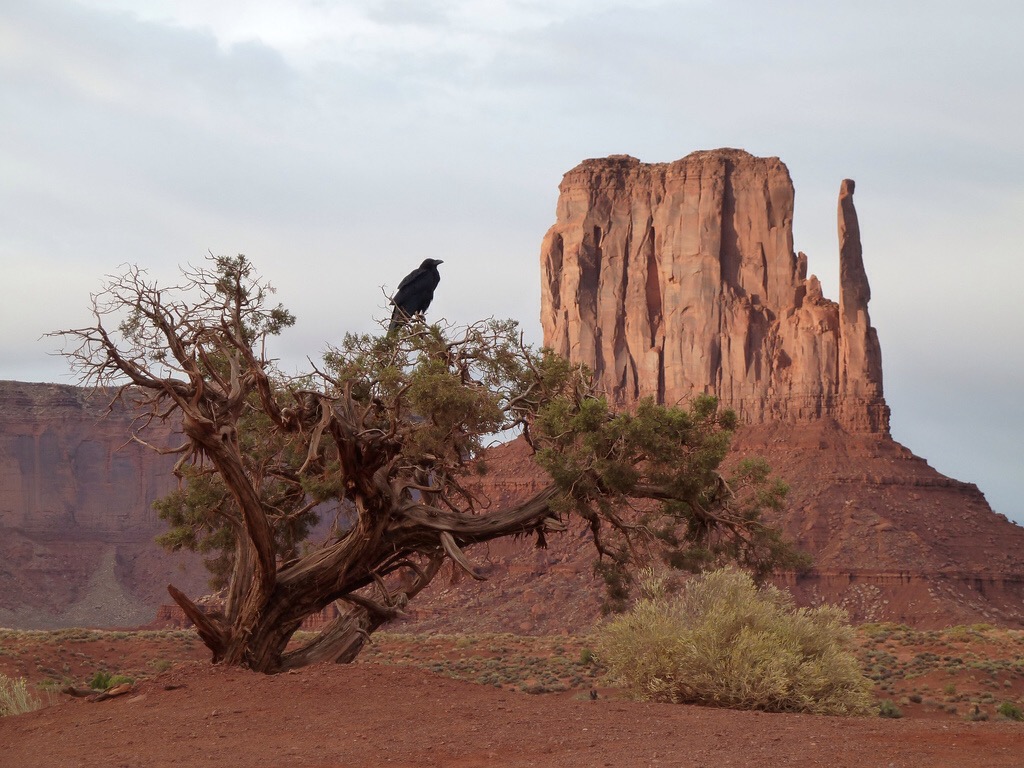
[[415, 293]]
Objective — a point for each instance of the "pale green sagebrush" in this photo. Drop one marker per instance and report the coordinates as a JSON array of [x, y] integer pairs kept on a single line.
[[723, 642], [15, 698]]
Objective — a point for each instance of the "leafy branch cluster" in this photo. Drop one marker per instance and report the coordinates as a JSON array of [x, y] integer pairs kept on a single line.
[[649, 483]]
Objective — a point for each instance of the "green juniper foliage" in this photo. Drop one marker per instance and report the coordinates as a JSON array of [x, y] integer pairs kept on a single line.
[[692, 516]]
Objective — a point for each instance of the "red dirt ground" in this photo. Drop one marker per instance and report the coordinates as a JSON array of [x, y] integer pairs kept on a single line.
[[374, 715], [394, 707]]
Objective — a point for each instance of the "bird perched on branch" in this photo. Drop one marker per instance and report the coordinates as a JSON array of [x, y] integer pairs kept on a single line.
[[415, 293]]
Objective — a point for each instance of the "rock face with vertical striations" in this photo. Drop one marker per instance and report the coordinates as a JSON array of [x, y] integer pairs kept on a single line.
[[675, 279]]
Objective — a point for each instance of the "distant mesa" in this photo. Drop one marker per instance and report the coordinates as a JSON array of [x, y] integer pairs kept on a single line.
[[76, 516]]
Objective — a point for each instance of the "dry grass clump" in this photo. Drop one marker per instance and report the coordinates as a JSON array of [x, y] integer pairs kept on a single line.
[[723, 642], [15, 697]]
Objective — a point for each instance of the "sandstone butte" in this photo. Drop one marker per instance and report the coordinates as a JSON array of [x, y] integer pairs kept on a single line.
[[674, 279], [680, 278], [668, 280]]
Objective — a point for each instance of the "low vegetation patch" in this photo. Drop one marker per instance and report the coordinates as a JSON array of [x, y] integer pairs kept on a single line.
[[935, 673], [1010, 711], [724, 642], [15, 697], [888, 709], [512, 662], [948, 672], [103, 681]]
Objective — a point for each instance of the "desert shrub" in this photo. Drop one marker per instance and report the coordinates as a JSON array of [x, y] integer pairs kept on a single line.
[[103, 681], [15, 698], [888, 709], [100, 681], [724, 642], [1010, 711]]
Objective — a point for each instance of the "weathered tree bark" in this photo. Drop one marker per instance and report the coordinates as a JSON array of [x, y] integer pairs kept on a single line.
[[258, 637]]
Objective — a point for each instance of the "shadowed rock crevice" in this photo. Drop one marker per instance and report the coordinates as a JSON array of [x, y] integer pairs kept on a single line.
[[554, 267]]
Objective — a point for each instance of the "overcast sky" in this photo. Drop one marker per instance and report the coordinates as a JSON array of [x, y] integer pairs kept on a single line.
[[338, 144]]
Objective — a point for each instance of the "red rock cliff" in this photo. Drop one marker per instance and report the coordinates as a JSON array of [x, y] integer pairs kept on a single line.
[[76, 516], [681, 278], [674, 279]]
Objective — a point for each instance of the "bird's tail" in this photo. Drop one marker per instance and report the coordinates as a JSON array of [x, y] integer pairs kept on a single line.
[[398, 319]]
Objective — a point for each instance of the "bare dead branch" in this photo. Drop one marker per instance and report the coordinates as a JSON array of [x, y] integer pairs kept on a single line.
[[210, 630], [458, 556]]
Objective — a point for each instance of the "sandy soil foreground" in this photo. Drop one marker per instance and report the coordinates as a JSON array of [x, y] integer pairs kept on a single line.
[[373, 715]]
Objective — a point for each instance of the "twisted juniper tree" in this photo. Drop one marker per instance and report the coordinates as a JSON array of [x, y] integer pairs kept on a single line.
[[379, 444]]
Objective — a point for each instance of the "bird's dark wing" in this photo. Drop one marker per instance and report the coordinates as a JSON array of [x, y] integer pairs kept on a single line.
[[416, 291], [414, 294], [408, 279]]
